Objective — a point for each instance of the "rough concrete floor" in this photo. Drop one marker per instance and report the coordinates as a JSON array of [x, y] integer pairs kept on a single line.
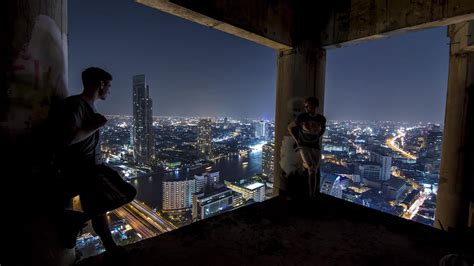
[[328, 231]]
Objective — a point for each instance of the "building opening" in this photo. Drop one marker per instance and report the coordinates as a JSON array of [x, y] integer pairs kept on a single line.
[[190, 115], [385, 104]]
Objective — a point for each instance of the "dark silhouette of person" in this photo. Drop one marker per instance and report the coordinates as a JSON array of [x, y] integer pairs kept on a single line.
[[307, 131], [75, 133]]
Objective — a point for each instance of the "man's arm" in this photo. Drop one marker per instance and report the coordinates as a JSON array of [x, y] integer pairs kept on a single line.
[[323, 129], [292, 128], [323, 125], [79, 134], [71, 125]]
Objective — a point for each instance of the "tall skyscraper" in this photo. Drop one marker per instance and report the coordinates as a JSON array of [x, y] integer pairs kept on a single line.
[[142, 132], [268, 151], [204, 139]]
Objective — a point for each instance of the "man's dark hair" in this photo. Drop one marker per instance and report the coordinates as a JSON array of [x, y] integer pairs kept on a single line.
[[313, 101], [92, 76]]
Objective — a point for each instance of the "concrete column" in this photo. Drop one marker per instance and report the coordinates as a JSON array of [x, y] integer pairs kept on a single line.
[[301, 73], [33, 73], [455, 192]]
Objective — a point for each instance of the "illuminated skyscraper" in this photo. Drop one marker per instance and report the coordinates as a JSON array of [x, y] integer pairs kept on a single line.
[[268, 151], [204, 139], [142, 132], [178, 194]]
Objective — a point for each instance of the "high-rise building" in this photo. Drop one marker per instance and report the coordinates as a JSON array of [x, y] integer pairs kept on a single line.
[[370, 171], [178, 194], [250, 190], [207, 204], [142, 132], [268, 151], [206, 180], [394, 188], [204, 139], [430, 155], [385, 163], [261, 129]]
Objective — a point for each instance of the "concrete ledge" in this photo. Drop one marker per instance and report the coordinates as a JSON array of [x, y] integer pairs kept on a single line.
[[277, 232]]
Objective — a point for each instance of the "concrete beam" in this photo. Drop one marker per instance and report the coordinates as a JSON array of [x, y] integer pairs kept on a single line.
[[265, 22], [354, 21], [281, 24]]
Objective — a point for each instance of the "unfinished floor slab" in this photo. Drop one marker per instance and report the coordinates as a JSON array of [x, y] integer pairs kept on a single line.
[[327, 231]]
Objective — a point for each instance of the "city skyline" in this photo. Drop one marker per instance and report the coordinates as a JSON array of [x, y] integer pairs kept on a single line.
[[194, 70], [391, 167]]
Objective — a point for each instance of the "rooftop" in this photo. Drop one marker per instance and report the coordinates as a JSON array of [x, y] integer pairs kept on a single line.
[[254, 185]]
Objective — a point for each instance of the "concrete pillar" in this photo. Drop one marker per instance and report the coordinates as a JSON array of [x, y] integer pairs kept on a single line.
[[301, 73], [33, 73], [455, 192]]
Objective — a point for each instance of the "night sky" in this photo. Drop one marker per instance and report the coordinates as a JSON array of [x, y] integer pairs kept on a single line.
[[196, 71]]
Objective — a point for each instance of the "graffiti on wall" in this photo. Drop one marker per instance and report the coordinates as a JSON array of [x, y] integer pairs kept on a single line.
[[39, 75]]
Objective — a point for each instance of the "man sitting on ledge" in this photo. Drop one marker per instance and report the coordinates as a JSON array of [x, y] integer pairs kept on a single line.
[[75, 131]]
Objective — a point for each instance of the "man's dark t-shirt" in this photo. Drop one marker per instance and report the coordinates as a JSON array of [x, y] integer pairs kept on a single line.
[[67, 116], [310, 129]]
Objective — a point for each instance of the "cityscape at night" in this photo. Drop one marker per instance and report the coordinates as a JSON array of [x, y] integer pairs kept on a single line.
[[169, 132], [392, 167], [192, 128]]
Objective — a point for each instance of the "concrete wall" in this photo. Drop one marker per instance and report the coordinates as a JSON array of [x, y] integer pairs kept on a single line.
[[33, 74]]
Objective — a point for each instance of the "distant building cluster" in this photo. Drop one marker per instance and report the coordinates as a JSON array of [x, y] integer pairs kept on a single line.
[[392, 167], [205, 195]]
